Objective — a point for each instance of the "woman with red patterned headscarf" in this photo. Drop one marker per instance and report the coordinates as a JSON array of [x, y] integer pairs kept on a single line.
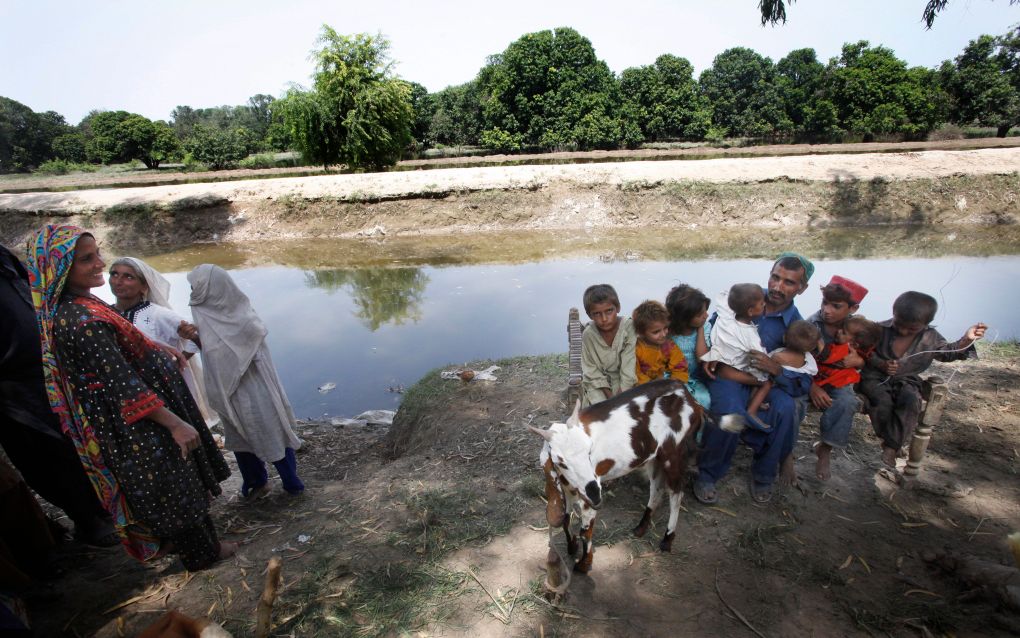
[[122, 401]]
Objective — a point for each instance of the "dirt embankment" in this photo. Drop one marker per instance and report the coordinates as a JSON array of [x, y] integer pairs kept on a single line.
[[930, 187]]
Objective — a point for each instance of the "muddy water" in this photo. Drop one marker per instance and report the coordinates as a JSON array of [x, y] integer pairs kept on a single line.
[[373, 316]]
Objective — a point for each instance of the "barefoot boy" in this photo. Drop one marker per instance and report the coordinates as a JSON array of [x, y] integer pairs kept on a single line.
[[891, 379], [607, 347]]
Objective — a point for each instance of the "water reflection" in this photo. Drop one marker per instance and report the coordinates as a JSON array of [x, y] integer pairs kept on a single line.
[[381, 295], [371, 315]]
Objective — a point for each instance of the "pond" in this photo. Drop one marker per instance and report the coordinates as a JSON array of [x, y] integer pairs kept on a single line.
[[374, 316]]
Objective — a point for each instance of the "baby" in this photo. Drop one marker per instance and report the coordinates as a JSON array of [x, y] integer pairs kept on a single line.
[[734, 335], [856, 333], [801, 340]]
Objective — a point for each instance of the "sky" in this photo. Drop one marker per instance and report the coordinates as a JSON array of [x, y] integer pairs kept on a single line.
[[148, 57]]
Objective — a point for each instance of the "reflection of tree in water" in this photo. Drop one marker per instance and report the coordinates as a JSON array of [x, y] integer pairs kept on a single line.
[[382, 295]]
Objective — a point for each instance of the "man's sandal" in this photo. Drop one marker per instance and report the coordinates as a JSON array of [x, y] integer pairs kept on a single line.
[[705, 492], [761, 493]]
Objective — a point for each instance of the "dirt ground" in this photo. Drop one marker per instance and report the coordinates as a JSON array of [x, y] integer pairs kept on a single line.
[[437, 528]]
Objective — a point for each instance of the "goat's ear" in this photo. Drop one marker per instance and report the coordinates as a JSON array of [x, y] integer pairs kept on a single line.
[[545, 434], [574, 421]]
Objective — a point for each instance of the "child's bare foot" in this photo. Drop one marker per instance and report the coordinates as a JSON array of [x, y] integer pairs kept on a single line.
[[227, 549], [823, 468], [889, 456], [788, 472]]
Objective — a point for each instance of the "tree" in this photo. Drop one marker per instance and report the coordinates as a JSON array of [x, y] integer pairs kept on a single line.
[[799, 80], [357, 112], [664, 100], [457, 115], [741, 88], [774, 11], [985, 82], [119, 136], [26, 137], [548, 89], [217, 148], [874, 93]]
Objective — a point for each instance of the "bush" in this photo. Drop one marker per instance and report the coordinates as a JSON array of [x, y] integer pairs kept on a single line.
[[217, 148], [192, 165], [63, 167], [502, 141]]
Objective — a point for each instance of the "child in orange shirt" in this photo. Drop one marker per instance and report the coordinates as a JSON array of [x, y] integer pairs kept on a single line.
[[657, 356], [856, 333]]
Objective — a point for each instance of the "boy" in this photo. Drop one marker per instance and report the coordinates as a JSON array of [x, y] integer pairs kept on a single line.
[[656, 354], [607, 347], [841, 298], [891, 379]]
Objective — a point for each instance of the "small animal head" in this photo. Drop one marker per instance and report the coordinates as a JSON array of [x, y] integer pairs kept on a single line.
[[569, 449]]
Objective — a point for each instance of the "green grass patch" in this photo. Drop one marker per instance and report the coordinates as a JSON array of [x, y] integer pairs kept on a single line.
[[1000, 350], [444, 520], [395, 599]]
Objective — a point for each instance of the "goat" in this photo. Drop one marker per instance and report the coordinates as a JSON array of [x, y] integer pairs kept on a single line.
[[651, 426]]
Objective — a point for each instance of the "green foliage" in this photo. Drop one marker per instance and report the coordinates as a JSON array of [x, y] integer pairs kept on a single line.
[[985, 82], [741, 86], [357, 113], [217, 148], [118, 136], [63, 167], [549, 88], [26, 137], [502, 141], [457, 115], [799, 79], [874, 93], [70, 147], [664, 101]]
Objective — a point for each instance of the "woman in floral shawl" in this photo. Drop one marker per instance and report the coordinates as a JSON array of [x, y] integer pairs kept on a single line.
[[122, 401]]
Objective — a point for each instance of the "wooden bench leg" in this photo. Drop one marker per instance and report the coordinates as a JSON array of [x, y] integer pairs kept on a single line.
[[931, 415]]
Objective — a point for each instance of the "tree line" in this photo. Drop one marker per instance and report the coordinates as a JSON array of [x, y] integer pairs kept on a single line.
[[546, 91]]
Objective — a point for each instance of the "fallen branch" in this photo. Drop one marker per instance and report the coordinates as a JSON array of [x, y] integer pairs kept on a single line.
[[733, 609], [264, 611]]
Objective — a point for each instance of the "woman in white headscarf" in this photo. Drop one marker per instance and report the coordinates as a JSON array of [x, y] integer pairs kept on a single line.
[[143, 297], [242, 383]]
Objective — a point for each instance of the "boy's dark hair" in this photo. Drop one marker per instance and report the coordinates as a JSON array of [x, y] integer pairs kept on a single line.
[[834, 293], [915, 307], [600, 293], [802, 336], [647, 313], [743, 296], [866, 334], [684, 303]]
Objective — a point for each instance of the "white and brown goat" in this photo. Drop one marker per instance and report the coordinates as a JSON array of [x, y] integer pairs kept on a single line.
[[650, 427]]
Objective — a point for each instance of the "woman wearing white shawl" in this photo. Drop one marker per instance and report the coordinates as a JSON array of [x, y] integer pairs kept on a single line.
[[241, 381], [143, 297]]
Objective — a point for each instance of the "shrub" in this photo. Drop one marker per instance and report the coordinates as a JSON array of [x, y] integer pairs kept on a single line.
[[63, 167], [217, 148]]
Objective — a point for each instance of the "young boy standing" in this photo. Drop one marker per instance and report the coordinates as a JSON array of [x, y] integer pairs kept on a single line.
[[891, 379], [607, 347]]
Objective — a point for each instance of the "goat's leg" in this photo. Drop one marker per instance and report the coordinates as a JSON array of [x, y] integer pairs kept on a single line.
[[654, 495], [583, 565], [675, 496], [570, 501]]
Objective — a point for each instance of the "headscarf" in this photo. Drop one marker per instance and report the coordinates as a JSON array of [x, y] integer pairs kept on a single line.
[[50, 256], [809, 268], [159, 294], [159, 287], [231, 332]]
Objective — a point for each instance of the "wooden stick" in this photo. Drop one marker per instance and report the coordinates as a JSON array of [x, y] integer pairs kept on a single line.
[[733, 609], [264, 611]]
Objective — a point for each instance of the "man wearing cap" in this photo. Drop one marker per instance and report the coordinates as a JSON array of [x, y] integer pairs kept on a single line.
[[841, 297], [788, 278]]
